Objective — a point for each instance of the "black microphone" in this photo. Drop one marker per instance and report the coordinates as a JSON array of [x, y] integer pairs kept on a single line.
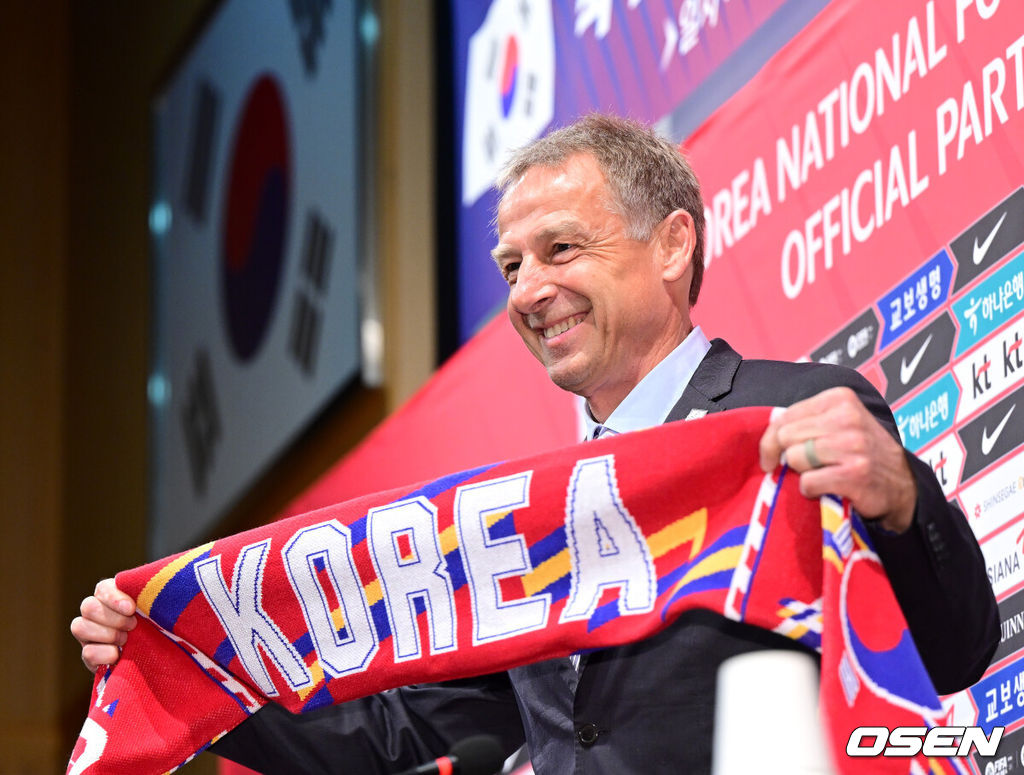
[[477, 755]]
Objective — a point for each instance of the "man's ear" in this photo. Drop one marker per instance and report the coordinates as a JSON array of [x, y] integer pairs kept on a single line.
[[677, 240]]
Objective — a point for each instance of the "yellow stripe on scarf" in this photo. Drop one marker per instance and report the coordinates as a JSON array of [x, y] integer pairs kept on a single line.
[[156, 584]]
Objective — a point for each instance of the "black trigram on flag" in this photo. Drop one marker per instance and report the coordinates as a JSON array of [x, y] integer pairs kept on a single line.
[[307, 316], [205, 111], [308, 16], [201, 421]]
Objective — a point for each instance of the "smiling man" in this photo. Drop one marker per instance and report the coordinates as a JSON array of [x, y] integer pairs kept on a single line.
[[600, 237], [599, 307]]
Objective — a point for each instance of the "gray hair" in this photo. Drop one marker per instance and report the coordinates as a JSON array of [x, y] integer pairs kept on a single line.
[[647, 175]]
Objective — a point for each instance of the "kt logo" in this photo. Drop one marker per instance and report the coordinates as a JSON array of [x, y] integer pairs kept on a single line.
[[1011, 355], [981, 380]]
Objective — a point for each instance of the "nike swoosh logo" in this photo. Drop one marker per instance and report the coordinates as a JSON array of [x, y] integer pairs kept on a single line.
[[987, 442], [982, 249], [907, 369]]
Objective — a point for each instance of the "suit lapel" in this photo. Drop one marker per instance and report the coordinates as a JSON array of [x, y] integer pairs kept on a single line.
[[709, 384]]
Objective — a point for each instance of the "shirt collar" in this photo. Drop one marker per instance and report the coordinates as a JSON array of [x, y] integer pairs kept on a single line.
[[649, 403]]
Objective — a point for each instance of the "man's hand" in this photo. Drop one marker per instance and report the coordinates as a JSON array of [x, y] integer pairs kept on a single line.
[[107, 618], [856, 457]]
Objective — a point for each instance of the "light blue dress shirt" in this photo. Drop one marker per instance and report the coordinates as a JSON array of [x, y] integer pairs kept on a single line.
[[649, 403]]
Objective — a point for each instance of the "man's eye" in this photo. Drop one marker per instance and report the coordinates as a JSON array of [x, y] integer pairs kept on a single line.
[[509, 270], [561, 247]]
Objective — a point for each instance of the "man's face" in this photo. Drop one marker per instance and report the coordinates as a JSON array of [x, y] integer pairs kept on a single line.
[[590, 303]]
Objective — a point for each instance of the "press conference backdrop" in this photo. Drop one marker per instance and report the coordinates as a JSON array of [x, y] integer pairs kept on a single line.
[[863, 172], [255, 224], [865, 202], [864, 196]]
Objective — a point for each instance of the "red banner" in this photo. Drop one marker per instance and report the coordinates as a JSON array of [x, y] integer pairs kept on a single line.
[[859, 151]]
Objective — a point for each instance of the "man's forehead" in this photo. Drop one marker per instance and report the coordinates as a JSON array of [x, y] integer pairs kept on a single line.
[[535, 183], [564, 184], [577, 167], [556, 174]]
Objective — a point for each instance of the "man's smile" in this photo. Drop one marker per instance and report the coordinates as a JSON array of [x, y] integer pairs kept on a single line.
[[562, 326]]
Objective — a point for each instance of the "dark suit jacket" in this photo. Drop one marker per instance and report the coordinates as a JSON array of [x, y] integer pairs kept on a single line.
[[648, 707]]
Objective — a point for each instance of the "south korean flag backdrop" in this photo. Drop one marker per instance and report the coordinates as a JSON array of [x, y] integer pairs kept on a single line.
[[256, 237]]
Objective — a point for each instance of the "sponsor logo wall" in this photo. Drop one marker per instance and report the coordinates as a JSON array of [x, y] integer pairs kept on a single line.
[[874, 218]]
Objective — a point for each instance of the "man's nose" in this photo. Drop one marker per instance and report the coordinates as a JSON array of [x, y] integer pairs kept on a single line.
[[533, 286]]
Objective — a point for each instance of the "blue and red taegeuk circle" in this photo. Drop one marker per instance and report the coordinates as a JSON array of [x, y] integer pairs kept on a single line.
[[256, 214], [509, 75], [883, 650]]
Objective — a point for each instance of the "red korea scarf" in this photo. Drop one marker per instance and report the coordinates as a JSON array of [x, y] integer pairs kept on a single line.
[[586, 547]]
